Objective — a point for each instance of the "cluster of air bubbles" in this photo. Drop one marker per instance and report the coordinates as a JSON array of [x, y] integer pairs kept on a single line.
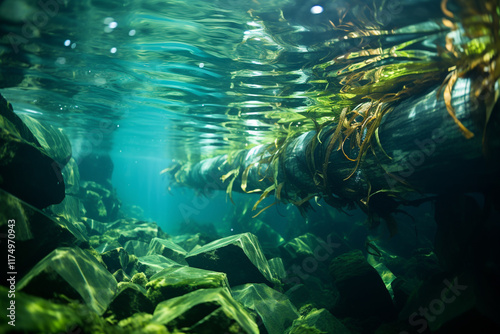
[[110, 24], [68, 43]]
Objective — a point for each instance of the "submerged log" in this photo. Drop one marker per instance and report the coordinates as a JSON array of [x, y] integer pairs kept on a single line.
[[418, 149]]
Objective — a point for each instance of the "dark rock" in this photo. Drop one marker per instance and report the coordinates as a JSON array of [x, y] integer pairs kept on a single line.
[[277, 268], [125, 230], [207, 232], [151, 264], [189, 241], [38, 315], [275, 309], [312, 292], [176, 281], [268, 238], [100, 201], [26, 170], [129, 299], [362, 293], [239, 256], [141, 323], [70, 209], [94, 206], [107, 246], [402, 291], [138, 248], [73, 273], [440, 298], [13, 124], [53, 140], [309, 255], [115, 259], [120, 276], [318, 321], [71, 175], [36, 233], [122, 231], [205, 311], [421, 265], [96, 167], [168, 249], [307, 245], [94, 227]]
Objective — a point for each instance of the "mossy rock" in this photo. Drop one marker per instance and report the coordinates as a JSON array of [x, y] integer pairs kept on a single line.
[[73, 273], [205, 311], [239, 256], [362, 293], [36, 233], [130, 298], [26, 170], [176, 281], [168, 249]]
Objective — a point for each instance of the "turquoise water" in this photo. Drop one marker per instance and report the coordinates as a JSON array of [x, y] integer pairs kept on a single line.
[[153, 82], [148, 81], [361, 229]]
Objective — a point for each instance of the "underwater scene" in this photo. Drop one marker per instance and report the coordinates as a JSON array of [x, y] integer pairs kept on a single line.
[[250, 166]]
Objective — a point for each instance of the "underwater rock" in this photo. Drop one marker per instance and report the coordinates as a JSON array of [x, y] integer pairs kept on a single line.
[[205, 311], [96, 167], [130, 298], [53, 140], [239, 256], [121, 276], [36, 233], [274, 308], [115, 259], [310, 291], [308, 255], [444, 298], [277, 268], [168, 249], [177, 281], [121, 231], [141, 323], [125, 230], [71, 175], [36, 315], [94, 206], [207, 232], [26, 170], [107, 246], [139, 279], [151, 264], [422, 264], [100, 201], [138, 248], [70, 209], [318, 321], [190, 241], [268, 238], [94, 227], [306, 245], [362, 293], [73, 273], [402, 291]]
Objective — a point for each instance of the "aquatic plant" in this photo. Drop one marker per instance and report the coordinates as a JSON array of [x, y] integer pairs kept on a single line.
[[369, 67]]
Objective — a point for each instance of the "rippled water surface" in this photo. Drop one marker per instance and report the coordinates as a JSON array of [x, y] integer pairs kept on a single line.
[[158, 81], [188, 78]]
